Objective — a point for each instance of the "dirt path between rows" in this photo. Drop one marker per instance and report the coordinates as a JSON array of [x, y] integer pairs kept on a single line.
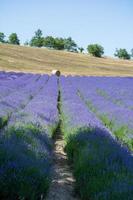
[[62, 186]]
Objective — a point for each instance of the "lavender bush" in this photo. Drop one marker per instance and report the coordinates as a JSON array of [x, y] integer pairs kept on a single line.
[[26, 146], [102, 167], [106, 100], [24, 163], [21, 97], [94, 112]]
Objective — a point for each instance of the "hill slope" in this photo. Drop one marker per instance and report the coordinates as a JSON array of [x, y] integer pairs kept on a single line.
[[35, 60]]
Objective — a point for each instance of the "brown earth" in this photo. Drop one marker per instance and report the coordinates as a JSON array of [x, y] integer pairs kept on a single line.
[[62, 187]]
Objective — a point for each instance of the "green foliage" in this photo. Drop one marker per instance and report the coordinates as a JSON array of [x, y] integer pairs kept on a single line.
[[91, 106], [49, 42], [123, 54], [13, 39], [70, 45], [38, 33], [37, 40], [2, 36], [109, 123], [57, 43], [81, 49], [3, 121], [60, 43], [102, 93], [24, 163], [95, 50], [121, 133], [93, 157]]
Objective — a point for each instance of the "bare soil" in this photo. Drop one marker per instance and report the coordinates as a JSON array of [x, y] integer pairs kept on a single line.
[[62, 187]]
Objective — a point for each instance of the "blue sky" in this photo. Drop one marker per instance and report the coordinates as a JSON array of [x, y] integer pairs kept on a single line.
[[107, 22]]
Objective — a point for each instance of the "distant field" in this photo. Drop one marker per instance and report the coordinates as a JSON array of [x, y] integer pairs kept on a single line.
[[27, 59]]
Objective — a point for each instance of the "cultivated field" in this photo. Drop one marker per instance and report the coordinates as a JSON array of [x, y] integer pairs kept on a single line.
[[34, 60], [91, 117]]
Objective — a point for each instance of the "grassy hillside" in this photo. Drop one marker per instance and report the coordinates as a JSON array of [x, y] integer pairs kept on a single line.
[[27, 59]]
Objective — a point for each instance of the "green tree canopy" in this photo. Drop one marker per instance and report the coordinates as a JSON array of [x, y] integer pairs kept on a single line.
[[38, 33], [59, 43], [13, 39], [2, 36], [70, 45], [49, 42], [95, 50], [81, 49], [122, 53], [55, 43], [37, 39]]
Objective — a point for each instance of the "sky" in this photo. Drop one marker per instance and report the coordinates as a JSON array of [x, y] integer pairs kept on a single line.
[[106, 22]]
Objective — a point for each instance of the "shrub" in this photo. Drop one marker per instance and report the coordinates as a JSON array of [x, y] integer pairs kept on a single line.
[[13, 39], [49, 42], [95, 50], [2, 36], [37, 40], [3, 121], [103, 170], [24, 163], [122, 53]]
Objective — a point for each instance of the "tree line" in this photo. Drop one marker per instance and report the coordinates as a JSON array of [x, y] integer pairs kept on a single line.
[[59, 43]]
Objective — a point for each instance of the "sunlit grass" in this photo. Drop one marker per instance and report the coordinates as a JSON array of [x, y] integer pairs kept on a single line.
[[35, 60]]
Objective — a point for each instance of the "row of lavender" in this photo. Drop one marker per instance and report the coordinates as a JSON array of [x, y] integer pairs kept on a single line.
[[28, 117], [111, 99], [102, 167]]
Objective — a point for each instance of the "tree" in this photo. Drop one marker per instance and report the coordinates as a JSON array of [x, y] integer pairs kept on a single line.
[[49, 42], [59, 43], [38, 33], [2, 36], [81, 49], [70, 45], [37, 40], [95, 50], [13, 39], [122, 53]]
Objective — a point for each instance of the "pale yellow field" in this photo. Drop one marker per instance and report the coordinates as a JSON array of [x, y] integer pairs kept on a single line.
[[36, 60]]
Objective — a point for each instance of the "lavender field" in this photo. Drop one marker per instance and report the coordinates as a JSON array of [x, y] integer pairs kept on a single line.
[[95, 116]]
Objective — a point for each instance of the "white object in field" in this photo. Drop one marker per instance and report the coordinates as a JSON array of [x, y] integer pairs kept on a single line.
[[56, 72]]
